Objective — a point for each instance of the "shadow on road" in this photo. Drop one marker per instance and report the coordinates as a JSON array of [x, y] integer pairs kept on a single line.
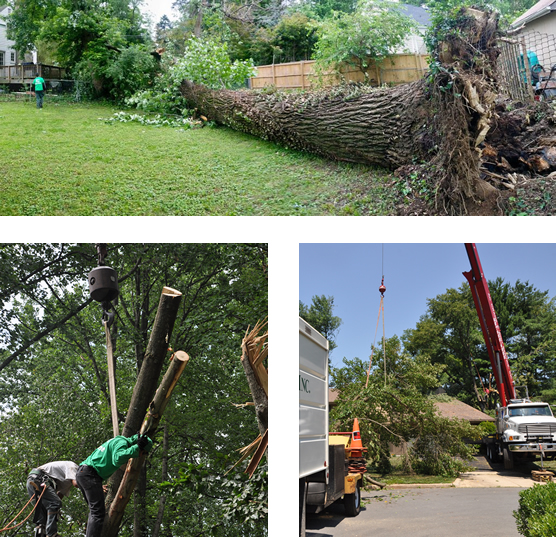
[[328, 519]]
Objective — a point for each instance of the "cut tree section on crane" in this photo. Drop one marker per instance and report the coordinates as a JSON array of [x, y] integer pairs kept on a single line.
[[149, 427], [145, 386]]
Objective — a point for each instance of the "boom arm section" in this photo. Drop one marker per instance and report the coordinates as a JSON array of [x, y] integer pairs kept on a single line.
[[489, 326]]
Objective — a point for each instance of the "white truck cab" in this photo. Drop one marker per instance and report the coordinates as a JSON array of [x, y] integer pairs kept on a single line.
[[523, 429]]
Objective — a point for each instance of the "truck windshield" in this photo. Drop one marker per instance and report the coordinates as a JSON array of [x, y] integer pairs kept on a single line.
[[530, 411]]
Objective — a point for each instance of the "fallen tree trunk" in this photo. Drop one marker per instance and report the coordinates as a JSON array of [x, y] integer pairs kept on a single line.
[[149, 427], [441, 121]]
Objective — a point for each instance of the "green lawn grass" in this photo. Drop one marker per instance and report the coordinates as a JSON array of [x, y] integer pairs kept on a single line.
[[63, 160]]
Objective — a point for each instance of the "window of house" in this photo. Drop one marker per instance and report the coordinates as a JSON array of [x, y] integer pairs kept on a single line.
[[12, 57], [2, 57]]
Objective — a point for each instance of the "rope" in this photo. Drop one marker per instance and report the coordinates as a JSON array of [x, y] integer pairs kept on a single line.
[[380, 309], [111, 380], [5, 528]]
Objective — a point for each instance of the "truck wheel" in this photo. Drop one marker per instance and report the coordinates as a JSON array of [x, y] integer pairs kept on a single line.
[[352, 502], [508, 459], [302, 506]]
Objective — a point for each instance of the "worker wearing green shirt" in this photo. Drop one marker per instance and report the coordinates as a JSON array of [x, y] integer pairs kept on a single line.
[[100, 465], [40, 86]]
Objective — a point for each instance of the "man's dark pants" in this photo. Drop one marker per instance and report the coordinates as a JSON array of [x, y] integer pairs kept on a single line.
[[90, 484], [50, 505], [39, 94]]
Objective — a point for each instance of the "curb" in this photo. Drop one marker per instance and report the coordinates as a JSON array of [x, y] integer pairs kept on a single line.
[[420, 486]]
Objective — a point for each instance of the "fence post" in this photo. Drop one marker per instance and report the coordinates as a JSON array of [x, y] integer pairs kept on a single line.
[[302, 75], [528, 79]]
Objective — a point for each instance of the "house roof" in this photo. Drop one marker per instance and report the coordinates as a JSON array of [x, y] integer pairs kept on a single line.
[[460, 410], [419, 14], [540, 9], [451, 409]]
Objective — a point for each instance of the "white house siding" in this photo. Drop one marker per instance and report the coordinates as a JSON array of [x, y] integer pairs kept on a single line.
[[544, 25], [6, 46], [540, 37]]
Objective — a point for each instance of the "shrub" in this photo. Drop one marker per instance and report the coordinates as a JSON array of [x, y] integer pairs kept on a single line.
[[203, 62], [206, 61], [535, 516]]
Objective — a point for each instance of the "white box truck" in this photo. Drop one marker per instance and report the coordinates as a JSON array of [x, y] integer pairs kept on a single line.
[[323, 466]]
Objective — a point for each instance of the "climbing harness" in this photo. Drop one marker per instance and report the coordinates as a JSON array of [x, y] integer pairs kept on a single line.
[[7, 527]]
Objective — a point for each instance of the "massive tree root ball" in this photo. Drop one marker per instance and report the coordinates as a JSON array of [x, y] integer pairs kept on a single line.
[[438, 128]]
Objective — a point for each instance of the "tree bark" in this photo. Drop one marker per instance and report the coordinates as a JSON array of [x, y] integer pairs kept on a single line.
[[441, 121], [254, 351], [149, 427], [149, 374], [162, 504], [140, 505]]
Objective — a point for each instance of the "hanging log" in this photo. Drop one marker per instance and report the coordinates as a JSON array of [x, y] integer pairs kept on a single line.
[[149, 427], [147, 379]]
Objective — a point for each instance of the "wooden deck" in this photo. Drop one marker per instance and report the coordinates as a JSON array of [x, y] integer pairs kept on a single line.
[[26, 73]]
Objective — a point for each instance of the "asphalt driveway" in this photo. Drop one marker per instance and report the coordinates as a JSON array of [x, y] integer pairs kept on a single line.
[[427, 512], [478, 503]]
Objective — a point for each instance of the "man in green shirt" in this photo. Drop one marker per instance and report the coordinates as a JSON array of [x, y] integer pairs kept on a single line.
[[100, 465], [40, 86]]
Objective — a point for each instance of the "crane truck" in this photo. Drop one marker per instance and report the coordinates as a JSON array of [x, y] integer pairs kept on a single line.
[[524, 429], [324, 472]]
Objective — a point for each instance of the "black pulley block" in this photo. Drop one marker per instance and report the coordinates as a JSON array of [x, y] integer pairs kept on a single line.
[[103, 284]]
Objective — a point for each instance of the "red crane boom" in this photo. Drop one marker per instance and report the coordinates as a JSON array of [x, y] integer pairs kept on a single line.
[[489, 326]]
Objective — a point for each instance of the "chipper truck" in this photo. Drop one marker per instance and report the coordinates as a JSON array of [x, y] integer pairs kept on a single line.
[[326, 460]]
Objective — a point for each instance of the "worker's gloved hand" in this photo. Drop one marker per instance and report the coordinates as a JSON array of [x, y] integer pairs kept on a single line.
[[144, 443]]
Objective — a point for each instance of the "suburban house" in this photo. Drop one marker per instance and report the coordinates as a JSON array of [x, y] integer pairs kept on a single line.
[[8, 55], [540, 18], [535, 31], [415, 43]]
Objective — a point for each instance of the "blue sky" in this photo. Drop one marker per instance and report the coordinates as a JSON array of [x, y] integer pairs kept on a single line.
[[157, 8], [352, 274]]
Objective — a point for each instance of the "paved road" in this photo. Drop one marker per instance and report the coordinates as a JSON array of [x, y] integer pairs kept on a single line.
[[480, 503], [427, 512]]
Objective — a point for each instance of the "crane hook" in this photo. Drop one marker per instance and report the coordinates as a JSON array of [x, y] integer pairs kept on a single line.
[[382, 287]]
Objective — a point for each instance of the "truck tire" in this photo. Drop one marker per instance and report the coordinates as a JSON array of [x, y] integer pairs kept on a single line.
[[508, 459], [302, 506], [352, 502]]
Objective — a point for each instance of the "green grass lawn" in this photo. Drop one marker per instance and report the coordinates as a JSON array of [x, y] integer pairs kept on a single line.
[[63, 160]]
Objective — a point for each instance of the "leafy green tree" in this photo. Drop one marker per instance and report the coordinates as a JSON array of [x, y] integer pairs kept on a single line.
[[320, 316], [374, 31], [397, 410], [53, 389], [207, 62], [527, 318], [450, 334], [324, 9], [295, 37]]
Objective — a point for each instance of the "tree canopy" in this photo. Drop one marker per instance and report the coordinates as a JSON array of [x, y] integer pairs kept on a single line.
[[319, 314], [54, 400], [396, 409], [450, 334]]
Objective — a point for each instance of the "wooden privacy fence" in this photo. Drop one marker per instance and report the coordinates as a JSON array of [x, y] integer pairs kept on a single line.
[[394, 70]]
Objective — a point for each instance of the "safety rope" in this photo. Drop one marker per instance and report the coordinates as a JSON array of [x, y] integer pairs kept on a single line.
[[6, 528], [380, 310]]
